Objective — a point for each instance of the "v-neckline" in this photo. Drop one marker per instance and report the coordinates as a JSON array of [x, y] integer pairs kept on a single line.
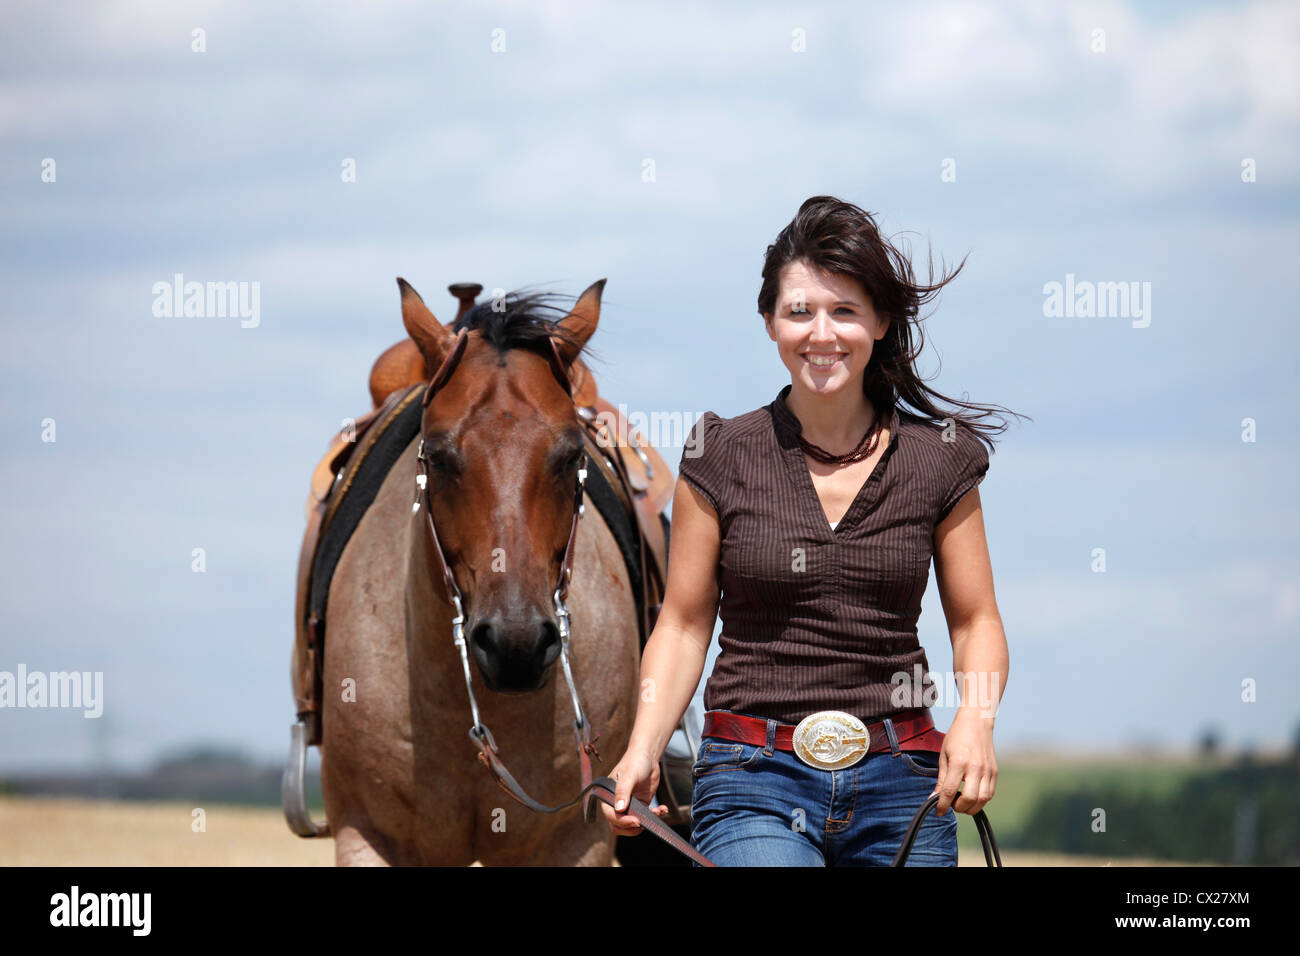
[[797, 463]]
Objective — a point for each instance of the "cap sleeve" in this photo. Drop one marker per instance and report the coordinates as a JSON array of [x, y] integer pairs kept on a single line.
[[971, 463], [703, 460]]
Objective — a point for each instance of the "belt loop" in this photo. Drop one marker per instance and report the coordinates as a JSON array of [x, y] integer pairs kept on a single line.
[[771, 737], [894, 749]]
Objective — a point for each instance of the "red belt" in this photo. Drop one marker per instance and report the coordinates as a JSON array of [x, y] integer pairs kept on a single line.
[[913, 728]]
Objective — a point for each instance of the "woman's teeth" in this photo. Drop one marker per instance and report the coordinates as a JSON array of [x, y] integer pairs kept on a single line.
[[822, 361]]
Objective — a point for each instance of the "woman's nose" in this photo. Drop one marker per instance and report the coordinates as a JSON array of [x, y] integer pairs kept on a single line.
[[822, 330]]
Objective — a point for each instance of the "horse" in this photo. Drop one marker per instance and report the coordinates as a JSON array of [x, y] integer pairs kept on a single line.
[[499, 450]]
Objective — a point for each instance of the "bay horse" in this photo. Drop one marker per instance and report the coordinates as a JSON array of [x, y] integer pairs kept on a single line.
[[500, 447]]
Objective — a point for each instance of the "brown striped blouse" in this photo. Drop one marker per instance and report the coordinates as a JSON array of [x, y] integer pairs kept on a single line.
[[816, 617]]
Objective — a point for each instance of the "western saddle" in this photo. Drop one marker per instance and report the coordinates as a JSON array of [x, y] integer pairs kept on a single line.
[[632, 467]]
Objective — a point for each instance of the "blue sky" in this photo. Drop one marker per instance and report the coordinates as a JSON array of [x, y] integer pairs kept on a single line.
[[523, 166]]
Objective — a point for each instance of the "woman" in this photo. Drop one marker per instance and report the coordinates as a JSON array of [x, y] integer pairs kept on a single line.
[[815, 518]]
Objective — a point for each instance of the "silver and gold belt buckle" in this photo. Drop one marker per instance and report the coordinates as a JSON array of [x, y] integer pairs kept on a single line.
[[831, 740]]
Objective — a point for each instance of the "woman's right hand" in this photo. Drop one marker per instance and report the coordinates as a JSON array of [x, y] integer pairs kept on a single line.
[[636, 775]]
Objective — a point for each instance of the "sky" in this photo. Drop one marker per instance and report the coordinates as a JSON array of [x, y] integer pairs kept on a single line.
[[320, 150]]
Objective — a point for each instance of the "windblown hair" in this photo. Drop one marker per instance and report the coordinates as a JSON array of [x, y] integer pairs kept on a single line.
[[839, 237]]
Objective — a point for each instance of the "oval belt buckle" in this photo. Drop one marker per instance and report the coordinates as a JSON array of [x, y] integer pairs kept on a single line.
[[831, 740]]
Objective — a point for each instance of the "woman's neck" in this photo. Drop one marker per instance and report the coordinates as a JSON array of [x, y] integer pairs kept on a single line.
[[837, 421]]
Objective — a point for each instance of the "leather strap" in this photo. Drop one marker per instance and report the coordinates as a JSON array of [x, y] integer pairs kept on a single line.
[[602, 788], [449, 363], [914, 728], [991, 855]]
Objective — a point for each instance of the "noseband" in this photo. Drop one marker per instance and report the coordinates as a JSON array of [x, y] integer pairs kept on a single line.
[[602, 787]]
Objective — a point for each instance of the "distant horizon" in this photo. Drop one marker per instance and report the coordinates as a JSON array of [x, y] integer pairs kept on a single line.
[[1007, 754]]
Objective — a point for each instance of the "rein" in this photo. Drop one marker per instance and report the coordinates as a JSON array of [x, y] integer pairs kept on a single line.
[[601, 788]]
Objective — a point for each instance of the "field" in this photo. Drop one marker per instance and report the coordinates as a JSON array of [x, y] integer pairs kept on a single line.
[[52, 831], [47, 831], [62, 831]]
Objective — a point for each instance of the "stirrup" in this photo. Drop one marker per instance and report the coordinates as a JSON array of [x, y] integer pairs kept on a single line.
[[293, 791]]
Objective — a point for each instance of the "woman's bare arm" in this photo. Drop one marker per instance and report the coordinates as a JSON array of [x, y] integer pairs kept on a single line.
[[964, 574], [676, 650]]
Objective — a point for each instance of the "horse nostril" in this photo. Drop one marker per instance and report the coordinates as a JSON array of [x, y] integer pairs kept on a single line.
[[548, 642], [484, 639]]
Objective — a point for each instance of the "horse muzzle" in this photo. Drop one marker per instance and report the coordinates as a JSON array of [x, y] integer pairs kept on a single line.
[[515, 656]]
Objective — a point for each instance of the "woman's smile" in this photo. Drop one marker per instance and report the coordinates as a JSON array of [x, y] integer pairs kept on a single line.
[[824, 361]]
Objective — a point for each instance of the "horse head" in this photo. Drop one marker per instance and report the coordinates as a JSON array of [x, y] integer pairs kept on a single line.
[[501, 446]]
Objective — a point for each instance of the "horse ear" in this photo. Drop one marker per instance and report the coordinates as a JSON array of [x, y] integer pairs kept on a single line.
[[432, 337], [581, 322]]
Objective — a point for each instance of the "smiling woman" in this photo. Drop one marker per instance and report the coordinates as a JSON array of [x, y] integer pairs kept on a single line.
[[813, 520]]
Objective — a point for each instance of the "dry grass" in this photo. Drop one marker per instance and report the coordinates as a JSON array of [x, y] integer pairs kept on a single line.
[[50, 831], [1016, 858]]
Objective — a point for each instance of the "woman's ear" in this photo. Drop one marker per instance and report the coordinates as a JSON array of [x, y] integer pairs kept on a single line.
[[767, 322]]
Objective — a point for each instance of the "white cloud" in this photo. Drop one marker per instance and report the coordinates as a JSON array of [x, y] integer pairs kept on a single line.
[[1242, 59]]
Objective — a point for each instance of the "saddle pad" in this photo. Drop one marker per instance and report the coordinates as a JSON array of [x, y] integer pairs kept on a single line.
[[617, 520], [362, 478], [360, 483]]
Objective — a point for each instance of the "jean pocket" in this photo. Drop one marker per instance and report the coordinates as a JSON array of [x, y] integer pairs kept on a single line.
[[718, 755], [924, 763]]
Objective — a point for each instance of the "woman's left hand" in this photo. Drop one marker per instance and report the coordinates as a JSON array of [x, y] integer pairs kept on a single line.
[[967, 755]]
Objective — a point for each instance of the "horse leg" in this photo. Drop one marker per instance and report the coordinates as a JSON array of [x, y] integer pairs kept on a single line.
[[354, 845], [583, 844], [574, 843], [599, 853]]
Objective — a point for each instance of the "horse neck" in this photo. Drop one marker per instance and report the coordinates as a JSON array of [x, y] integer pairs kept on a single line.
[[427, 623]]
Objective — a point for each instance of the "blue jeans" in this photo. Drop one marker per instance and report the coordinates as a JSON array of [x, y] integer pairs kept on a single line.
[[758, 806]]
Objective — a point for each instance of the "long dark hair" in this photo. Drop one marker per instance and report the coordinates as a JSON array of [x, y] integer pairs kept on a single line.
[[837, 236]]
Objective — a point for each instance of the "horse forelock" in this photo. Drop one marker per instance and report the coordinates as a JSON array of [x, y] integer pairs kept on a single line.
[[520, 320]]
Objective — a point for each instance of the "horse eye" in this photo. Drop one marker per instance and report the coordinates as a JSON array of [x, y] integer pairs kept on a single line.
[[568, 455], [442, 461]]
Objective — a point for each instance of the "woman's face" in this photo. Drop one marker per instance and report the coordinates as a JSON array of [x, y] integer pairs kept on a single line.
[[824, 328]]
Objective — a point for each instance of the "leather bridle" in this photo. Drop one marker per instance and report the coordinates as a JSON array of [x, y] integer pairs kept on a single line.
[[601, 788]]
